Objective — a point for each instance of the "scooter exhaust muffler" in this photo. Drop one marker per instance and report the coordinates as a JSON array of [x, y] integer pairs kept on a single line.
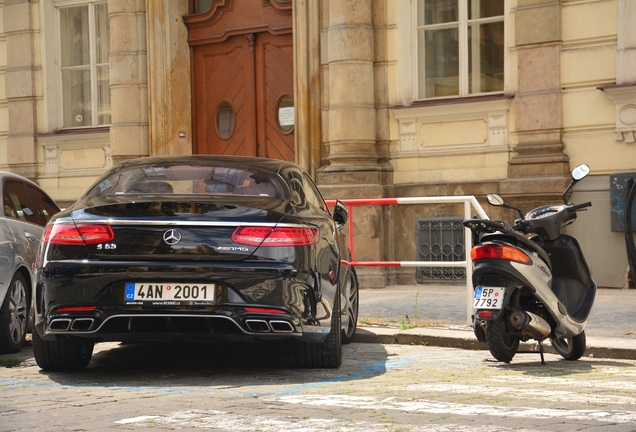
[[533, 325]]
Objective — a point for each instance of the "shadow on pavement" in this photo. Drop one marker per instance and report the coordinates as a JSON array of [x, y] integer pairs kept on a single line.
[[559, 368], [215, 365]]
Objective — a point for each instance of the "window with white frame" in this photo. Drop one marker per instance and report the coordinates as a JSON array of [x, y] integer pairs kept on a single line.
[[84, 51], [460, 47]]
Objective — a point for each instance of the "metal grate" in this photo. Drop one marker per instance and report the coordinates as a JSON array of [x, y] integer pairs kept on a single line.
[[440, 239]]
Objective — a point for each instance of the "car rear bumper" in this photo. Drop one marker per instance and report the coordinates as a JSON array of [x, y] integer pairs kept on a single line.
[[264, 301]]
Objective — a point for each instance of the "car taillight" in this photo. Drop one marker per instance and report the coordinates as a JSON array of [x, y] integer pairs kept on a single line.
[[504, 252], [71, 234], [265, 310], [76, 309], [280, 236]]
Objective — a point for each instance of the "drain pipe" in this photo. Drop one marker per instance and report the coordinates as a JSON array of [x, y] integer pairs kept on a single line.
[[629, 236]]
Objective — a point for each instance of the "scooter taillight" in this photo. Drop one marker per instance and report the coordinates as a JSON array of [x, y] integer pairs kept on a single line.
[[491, 251]]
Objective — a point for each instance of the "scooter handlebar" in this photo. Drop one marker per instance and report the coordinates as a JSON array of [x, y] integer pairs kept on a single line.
[[582, 206]]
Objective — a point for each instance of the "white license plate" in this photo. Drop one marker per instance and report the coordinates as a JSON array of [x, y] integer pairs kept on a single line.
[[488, 297], [167, 294]]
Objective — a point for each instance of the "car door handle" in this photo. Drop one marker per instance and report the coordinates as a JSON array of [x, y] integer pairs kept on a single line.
[[30, 236]]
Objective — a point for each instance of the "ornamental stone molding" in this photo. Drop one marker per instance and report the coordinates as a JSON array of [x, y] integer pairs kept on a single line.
[[624, 97], [455, 127], [74, 155]]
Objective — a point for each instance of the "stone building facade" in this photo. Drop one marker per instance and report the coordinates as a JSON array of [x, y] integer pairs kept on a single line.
[[389, 100]]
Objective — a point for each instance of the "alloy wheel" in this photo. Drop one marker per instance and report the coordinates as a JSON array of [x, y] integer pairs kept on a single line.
[[17, 311]]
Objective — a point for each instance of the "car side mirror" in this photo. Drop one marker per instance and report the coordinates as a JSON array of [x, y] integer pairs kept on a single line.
[[340, 213]]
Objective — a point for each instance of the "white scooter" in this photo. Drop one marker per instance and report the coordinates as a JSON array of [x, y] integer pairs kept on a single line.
[[531, 280]]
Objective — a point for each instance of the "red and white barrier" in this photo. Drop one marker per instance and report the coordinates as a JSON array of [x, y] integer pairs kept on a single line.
[[469, 202]]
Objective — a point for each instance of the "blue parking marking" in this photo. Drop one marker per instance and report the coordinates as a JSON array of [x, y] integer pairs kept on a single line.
[[366, 370]]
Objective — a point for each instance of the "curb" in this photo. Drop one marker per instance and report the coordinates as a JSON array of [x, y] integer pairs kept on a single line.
[[614, 348]]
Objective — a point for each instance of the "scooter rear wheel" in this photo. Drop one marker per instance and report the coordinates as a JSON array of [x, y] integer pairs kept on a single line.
[[502, 345], [570, 348]]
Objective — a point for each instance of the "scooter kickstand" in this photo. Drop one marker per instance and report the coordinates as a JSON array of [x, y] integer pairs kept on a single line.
[[541, 352]]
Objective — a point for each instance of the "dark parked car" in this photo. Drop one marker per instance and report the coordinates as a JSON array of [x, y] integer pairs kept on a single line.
[[26, 209], [196, 248]]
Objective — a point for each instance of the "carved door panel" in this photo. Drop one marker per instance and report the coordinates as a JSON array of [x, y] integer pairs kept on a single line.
[[274, 91], [224, 98], [241, 84]]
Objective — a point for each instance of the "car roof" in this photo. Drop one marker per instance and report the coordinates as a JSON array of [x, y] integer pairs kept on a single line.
[[273, 165], [9, 175]]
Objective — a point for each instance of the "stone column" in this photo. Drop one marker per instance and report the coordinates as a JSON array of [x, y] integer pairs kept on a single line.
[[539, 165], [354, 77], [626, 44], [307, 91], [20, 87], [128, 79], [350, 86], [169, 78], [623, 94]]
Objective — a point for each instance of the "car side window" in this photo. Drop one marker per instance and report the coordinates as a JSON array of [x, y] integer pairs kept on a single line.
[[46, 206], [313, 195], [25, 208], [7, 205]]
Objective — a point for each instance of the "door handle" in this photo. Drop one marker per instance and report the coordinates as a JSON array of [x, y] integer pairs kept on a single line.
[[30, 236]]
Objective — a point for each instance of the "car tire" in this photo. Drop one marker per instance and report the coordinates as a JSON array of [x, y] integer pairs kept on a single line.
[[14, 316], [64, 354], [352, 295], [328, 353]]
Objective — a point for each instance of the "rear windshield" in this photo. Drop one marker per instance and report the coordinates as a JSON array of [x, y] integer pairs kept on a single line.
[[190, 180]]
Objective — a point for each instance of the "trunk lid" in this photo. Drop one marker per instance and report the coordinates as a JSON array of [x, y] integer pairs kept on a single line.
[[177, 229]]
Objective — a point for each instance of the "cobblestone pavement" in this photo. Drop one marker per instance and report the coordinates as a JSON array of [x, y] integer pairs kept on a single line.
[[613, 313], [378, 388]]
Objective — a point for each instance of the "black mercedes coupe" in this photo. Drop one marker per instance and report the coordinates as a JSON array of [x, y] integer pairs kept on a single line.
[[196, 249]]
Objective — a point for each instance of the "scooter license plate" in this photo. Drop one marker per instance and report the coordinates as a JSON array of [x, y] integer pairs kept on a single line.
[[488, 297]]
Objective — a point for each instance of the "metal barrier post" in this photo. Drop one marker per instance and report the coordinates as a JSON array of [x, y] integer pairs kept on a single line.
[[468, 241], [468, 201]]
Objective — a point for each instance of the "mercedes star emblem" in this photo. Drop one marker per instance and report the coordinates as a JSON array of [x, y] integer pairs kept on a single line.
[[172, 236]]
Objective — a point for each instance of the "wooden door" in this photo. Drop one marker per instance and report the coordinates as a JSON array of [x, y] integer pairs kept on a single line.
[[241, 84], [274, 90]]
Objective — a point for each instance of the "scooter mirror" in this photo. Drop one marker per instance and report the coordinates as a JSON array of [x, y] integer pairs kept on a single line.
[[580, 172], [495, 199]]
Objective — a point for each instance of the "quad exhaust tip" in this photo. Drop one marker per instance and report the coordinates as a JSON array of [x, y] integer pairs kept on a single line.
[[263, 326], [257, 326], [82, 324], [254, 325], [281, 327], [67, 324], [62, 324]]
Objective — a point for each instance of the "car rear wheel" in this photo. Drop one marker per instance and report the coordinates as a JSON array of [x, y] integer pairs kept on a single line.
[[14, 316], [64, 354], [327, 354], [351, 308]]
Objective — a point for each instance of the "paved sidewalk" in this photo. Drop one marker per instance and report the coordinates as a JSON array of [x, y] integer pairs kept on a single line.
[[440, 313]]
